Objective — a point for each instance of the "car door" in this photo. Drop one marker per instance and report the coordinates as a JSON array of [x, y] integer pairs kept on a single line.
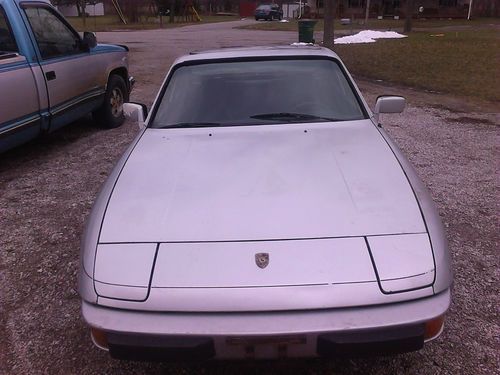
[[20, 118], [73, 80]]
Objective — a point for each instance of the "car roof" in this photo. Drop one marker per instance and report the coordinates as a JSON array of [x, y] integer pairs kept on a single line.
[[298, 50]]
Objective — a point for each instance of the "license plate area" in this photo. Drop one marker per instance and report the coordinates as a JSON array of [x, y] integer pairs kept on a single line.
[[266, 340], [266, 346]]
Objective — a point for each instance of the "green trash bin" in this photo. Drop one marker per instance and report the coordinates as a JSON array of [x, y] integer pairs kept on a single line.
[[306, 31]]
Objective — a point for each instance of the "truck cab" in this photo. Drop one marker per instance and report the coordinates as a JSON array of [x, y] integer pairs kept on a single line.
[[50, 75]]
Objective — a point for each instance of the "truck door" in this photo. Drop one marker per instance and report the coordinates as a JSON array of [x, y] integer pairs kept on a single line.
[[73, 82], [20, 118]]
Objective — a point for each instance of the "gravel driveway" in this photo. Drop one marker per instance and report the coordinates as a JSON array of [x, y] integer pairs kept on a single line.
[[47, 189]]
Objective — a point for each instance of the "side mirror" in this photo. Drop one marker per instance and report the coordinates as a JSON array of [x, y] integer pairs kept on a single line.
[[136, 112], [389, 104], [89, 40]]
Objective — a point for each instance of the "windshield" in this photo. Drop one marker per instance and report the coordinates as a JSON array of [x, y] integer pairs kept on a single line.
[[257, 92], [264, 7]]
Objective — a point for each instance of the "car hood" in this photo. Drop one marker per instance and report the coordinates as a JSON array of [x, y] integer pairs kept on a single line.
[[264, 275], [297, 181], [101, 47]]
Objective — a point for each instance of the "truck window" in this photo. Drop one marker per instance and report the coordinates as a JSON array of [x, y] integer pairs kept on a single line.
[[7, 42], [53, 37]]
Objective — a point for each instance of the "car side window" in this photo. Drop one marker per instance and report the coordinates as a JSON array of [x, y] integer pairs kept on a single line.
[[7, 41], [53, 37]]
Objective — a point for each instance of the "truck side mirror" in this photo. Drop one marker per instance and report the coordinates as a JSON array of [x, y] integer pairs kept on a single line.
[[89, 40], [389, 104], [136, 112]]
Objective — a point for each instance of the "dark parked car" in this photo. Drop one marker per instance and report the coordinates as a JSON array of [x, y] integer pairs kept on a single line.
[[268, 12]]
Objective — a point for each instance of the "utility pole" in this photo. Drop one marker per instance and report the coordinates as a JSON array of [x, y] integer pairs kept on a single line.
[[409, 14], [329, 16]]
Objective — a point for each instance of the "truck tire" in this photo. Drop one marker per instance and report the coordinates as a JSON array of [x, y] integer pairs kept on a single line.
[[110, 115]]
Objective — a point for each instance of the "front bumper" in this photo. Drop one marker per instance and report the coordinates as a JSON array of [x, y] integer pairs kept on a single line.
[[372, 330]]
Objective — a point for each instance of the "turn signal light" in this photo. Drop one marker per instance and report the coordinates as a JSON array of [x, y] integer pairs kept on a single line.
[[99, 338], [433, 328]]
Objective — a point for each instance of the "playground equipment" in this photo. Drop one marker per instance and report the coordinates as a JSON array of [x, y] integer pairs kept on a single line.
[[189, 12], [119, 11]]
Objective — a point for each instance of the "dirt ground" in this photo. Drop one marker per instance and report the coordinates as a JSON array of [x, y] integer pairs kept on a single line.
[[47, 188]]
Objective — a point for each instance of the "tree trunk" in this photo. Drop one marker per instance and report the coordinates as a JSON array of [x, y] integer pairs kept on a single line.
[[409, 15], [172, 11], [367, 13], [78, 9], [84, 14], [329, 17]]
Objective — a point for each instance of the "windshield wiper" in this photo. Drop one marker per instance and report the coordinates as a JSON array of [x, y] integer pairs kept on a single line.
[[287, 116], [190, 125]]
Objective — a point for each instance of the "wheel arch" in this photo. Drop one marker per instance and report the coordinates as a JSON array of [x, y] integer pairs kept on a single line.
[[123, 73]]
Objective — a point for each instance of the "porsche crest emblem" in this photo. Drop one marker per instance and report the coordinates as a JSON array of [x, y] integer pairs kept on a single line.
[[262, 260]]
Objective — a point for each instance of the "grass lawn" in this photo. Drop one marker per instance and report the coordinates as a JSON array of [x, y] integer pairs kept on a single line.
[[109, 23], [375, 24], [464, 63]]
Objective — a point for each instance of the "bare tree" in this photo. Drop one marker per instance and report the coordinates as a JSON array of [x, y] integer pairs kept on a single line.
[[80, 5], [172, 11], [409, 15], [367, 11], [131, 9], [328, 32]]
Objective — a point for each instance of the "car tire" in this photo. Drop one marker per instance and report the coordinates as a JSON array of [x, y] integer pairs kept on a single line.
[[110, 115]]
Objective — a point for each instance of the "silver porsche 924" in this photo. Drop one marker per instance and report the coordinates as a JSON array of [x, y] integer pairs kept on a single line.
[[263, 212]]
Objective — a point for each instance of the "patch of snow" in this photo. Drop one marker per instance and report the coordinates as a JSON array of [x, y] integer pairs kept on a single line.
[[284, 21], [302, 44], [368, 36]]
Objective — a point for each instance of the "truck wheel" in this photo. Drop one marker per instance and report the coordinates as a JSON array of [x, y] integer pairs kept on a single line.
[[110, 115]]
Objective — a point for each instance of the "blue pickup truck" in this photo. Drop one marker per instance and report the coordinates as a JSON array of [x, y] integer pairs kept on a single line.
[[50, 75]]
